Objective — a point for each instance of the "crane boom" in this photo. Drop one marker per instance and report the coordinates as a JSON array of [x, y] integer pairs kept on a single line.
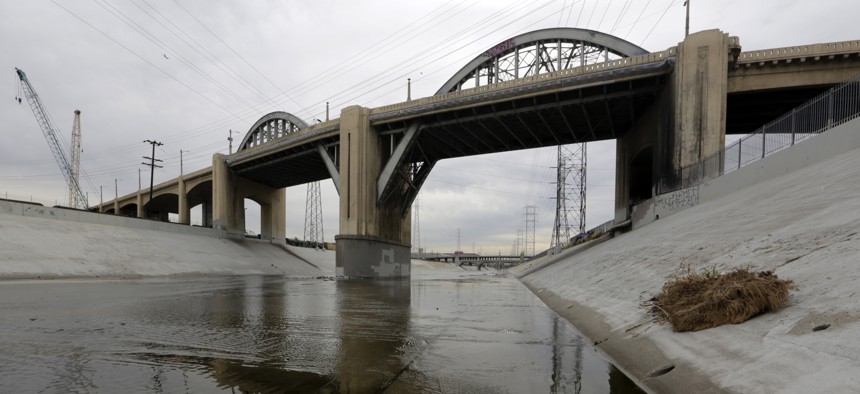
[[50, 133]]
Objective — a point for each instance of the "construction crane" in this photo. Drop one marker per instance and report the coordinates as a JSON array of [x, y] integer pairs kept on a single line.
[[77, 198]]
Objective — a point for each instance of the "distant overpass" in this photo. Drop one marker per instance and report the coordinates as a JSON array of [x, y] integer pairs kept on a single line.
[[666, 109]]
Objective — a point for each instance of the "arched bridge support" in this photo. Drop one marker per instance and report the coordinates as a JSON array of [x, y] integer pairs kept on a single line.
[[229, 192], [374, 238]]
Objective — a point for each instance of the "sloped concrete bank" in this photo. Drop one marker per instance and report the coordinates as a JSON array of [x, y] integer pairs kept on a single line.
[[43, 242], [805, 225]]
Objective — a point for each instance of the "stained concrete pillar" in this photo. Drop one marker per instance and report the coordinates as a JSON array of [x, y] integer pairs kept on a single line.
[[184, 209], [373, 240], [701, 84], [116, 206], [228, 213]]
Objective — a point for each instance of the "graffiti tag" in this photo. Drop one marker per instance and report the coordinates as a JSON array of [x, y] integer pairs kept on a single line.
[[503, 46], [678, 200]]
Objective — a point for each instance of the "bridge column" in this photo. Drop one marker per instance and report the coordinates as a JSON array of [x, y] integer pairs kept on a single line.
[[701, 84], [228, 213], [184, 210], [141, 213], [116, 206], [273, 208], [228, 200], [374, 240]]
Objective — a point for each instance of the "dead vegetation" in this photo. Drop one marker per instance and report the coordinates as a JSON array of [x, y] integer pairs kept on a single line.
[[696, 301]]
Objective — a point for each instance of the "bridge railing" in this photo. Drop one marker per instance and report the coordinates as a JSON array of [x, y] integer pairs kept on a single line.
[[836, 106], [800, 51], [588, 68]]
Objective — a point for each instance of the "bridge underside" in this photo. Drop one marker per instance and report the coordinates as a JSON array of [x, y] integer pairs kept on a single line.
[[603, 107], [295, 165], [747, 111], [572, 115]]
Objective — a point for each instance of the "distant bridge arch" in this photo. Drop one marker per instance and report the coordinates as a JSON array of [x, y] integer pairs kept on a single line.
[[270, 127], [540, 52]]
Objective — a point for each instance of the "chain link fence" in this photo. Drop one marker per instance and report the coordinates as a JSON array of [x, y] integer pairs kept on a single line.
[[834, 107]]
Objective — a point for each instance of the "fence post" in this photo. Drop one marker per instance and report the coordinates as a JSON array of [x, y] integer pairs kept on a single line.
[[793, 115], [740, 145], [763, 140]]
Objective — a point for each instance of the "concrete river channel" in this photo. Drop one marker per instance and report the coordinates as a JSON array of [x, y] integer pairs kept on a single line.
[[443, 331]]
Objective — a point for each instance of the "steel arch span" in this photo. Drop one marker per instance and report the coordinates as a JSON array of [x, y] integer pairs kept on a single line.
[[270, 127], [540, 52]]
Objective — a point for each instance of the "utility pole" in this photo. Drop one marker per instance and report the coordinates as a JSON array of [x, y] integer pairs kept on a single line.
[[152, 164], [687, 28], [181, 171], [458, 241], [408, 89], [230, 141]]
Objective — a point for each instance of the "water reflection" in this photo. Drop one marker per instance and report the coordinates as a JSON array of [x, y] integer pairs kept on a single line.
[[373, 330], [441, 332]]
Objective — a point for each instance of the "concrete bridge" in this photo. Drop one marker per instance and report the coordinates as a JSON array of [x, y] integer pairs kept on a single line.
[[666, 109]]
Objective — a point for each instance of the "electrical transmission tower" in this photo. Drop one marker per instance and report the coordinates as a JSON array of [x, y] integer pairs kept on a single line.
[[416, 226], [570, 194], [529, 220], [313, 216], [75, 168]]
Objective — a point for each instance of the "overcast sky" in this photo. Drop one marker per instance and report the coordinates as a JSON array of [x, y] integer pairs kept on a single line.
[[186, 72]]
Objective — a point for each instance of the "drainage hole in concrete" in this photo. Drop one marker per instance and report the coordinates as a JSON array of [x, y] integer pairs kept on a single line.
[[661, 371], [821, 327]]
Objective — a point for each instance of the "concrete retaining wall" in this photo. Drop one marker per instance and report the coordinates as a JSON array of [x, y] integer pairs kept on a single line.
[[37, 241]]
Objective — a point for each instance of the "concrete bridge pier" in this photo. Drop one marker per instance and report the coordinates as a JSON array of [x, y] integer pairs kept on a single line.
[[184, 209], [229, 192], [374, 239], [686, 124]]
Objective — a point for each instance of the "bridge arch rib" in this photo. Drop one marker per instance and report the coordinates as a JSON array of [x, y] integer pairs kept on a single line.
[[525, 55], [270, 127], [539, 52]]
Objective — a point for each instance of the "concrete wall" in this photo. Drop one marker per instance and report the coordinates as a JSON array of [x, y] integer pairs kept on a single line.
[[37, 211], [664, 205], [45, 242]]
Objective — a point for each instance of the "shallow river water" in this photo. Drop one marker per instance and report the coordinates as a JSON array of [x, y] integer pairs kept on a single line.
[[441, 332]]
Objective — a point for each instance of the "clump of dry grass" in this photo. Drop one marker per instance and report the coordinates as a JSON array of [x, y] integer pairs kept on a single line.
[[694, 301]]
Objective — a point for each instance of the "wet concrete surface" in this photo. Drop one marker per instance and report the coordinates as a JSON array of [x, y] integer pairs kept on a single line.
[[441, 332]]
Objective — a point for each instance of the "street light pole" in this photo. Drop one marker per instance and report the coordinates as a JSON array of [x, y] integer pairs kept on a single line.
[[687, 28]]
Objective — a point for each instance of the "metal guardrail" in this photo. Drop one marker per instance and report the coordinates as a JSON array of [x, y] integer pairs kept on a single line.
[[836, 106]]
